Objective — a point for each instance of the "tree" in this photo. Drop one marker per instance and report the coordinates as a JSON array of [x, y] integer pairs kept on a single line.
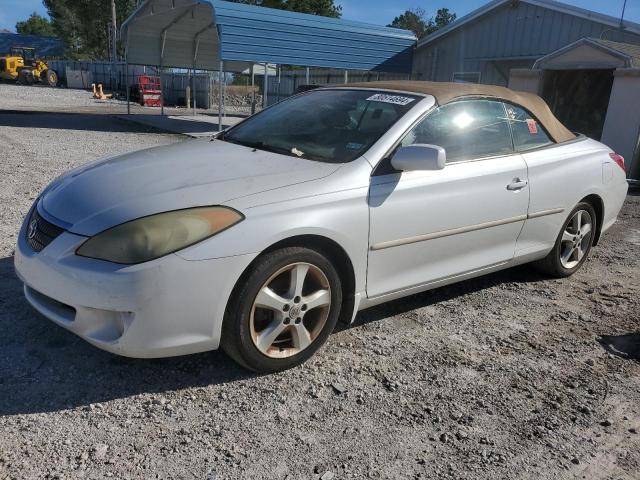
[[324, 8], [419, 23], [443, 18], [415, 20], [84, 24], [36, 25]]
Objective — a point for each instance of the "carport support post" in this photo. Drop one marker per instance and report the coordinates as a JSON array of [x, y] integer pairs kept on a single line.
[[126, 84], [161, 91], [307, 76], [346, 76], [126, 73], [253, 90], [196, 47], [163, 43], [265, 85], [114, 44], [279, 67], [193, 89], [220, 95]]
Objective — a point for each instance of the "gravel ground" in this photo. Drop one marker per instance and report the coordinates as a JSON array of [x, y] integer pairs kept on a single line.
[[507, 376], [42, 98], [39, 98], [37, 147], [19, 96]]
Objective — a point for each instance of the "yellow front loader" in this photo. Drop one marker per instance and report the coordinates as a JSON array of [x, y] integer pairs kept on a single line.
[[22, 66]]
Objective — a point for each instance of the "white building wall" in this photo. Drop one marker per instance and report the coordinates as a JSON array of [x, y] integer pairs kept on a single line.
[[524, 80], [622, 124]]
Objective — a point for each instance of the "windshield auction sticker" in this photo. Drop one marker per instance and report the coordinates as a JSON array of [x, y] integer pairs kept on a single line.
[[395, 99]]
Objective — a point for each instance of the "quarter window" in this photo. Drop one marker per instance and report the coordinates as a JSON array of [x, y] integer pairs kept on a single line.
[[466, 129], [527, 131]]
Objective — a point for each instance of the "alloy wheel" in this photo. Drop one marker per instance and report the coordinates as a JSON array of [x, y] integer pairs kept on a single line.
[[290, 310], [576, 239]]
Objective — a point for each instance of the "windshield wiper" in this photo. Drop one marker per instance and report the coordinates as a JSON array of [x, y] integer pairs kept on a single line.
[[271, 148], [217, 136], [260, 146], [294, 152]]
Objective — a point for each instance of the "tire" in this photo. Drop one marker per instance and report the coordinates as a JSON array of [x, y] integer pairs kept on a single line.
[[25, 77], [558, 263], [49, 77], [271, 338]]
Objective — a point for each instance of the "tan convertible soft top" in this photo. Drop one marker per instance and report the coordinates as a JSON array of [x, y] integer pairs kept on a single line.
[[445, 92]]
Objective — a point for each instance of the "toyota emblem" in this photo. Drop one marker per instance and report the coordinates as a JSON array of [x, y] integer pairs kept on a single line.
[[33, 229]]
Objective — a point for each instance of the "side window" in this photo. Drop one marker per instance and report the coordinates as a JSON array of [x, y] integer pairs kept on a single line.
[[466, 129], [527, 131]]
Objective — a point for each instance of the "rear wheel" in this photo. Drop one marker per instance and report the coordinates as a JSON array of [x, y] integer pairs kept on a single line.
[[25, 77], [283, 311], [573, 243]]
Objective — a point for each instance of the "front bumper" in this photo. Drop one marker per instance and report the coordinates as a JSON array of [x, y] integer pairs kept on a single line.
[[166, 307]]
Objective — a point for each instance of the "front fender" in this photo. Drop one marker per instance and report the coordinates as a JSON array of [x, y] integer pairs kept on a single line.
[[342, 217]]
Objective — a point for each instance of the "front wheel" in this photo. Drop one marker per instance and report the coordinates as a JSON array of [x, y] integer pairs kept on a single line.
[[49, 77], [573, 243], [283, 311]]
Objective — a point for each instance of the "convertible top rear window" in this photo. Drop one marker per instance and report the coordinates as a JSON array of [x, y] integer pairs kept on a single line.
[[334, 126]]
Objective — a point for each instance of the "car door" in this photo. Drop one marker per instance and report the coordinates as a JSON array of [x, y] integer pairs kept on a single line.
[[549, 166], [426, 226]]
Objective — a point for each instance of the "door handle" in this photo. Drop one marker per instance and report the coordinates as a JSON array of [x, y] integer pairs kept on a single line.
[[517, 184]]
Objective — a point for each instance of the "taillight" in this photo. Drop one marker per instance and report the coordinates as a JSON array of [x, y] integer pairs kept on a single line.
[[619, 159]]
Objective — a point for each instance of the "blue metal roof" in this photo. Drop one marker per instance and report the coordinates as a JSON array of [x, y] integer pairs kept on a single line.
[[259, 34], [200, 33], [45, 46]]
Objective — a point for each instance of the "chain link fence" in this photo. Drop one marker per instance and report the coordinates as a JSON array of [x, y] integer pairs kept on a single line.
[[242, 93], [81, 74]]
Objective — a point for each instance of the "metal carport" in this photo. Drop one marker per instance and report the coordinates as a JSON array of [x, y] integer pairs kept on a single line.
[[226, 36]]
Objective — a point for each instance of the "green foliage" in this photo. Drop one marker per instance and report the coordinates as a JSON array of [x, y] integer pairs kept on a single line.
[[324, 8], [414, 20], [419, 23], [36, 25], [84, 24], [443, 18]]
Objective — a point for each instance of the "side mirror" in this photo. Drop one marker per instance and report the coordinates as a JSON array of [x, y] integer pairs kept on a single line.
[[419, 157]]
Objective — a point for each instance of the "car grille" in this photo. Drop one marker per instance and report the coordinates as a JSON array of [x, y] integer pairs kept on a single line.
[[40, 232]]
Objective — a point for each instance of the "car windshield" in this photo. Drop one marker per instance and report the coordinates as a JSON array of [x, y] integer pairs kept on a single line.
[[324, 125]]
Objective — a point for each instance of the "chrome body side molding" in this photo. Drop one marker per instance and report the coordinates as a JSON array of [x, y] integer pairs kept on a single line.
[[457, 231]]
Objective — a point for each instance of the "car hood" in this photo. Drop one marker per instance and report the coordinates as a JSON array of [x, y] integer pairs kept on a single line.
[[188, 174]]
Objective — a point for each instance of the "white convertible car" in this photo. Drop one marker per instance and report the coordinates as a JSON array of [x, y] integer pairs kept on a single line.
[[259, 240]]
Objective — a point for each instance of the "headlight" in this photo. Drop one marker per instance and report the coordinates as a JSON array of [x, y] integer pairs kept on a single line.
[[154, 236]]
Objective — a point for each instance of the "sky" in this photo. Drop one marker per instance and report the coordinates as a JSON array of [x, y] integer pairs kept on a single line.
[[383, 11], [379, 12]]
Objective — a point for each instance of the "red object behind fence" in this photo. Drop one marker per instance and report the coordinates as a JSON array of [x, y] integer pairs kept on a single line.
[[150, 90]]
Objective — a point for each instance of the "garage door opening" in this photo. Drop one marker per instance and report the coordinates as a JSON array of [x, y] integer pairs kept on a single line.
[[579, 98]]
